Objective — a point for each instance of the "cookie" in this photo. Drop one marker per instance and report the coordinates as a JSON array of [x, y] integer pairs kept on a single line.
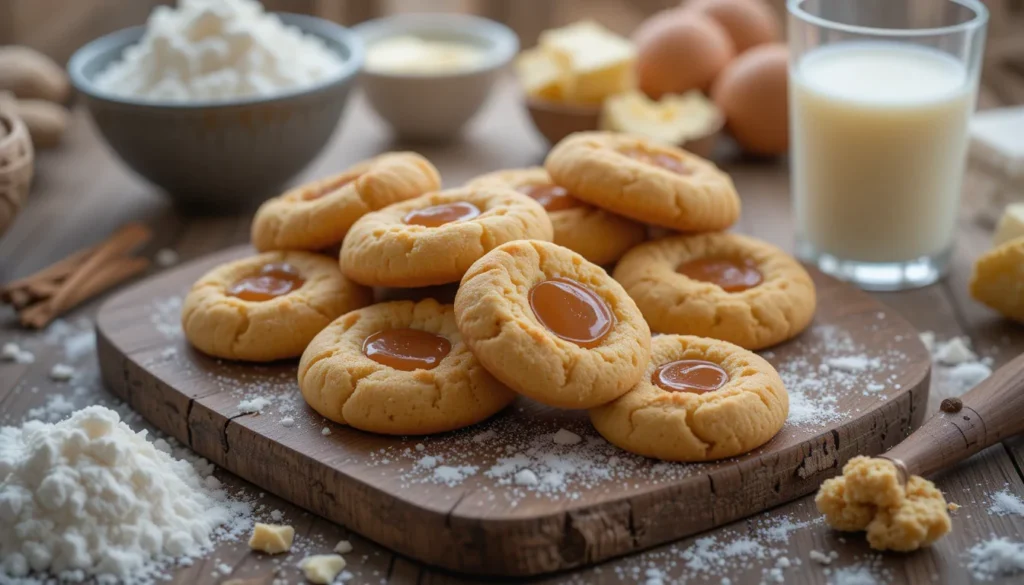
[[720, 285], [267, 307], [598, 235], [645, 180], [551, 325], [699, 399], [434, 238], [998, 279], [317, 215], [399, 368]]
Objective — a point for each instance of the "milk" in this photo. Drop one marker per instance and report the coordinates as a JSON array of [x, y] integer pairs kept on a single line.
[[879, 135]]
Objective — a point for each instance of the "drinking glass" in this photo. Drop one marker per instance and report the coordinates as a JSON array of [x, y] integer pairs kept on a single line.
[[881, 92]]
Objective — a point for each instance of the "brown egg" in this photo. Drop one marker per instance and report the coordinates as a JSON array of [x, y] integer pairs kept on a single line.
[[680, 50], [748, 22], [751, 92]]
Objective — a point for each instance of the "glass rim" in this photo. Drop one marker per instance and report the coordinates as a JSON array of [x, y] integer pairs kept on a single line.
[[795, 8]]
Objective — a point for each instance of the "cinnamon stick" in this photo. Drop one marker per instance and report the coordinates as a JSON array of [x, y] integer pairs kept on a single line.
[[107, 276]]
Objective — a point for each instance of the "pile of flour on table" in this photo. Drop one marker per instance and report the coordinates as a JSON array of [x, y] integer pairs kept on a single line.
[[88, 498]]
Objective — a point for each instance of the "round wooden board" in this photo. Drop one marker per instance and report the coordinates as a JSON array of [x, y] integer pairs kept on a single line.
[[858, 381]]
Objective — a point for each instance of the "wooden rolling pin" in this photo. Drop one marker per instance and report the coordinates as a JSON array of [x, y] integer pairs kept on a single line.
[[992, 411]]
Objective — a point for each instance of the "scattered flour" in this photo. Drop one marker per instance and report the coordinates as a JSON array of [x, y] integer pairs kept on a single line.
[[852, 364], [564, 437], [166, 257], [62, 372], [1005, 503], [970, 374], [955, 351], [325, 431], [90, 498], [995, 558], [453, 476], [254, 405], [961, 366], [12, 352], [57, 407]]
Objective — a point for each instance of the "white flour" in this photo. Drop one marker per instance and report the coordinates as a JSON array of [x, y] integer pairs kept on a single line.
[[1005, 503], [88, 497], [995, 558], [218, 50]]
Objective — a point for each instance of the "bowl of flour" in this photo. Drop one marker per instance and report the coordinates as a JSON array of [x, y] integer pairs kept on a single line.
[[218, 102]]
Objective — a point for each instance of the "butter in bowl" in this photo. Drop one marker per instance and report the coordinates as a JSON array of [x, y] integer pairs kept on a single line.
[[427, 75]]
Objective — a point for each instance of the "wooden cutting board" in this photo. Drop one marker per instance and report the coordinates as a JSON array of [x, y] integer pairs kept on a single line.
[[858, 381]]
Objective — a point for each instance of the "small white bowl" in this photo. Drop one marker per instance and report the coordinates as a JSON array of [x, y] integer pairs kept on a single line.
[[431, 107]]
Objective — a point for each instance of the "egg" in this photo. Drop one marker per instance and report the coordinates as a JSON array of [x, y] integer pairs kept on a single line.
[[679, 50], [748, 22], [751, 92]]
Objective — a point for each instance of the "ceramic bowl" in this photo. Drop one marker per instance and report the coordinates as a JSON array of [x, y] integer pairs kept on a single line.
[[436, 107], [219, 155], [554, 121]]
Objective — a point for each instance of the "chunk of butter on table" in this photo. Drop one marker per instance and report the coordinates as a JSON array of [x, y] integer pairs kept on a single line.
[[1011, 225], [322, 569], [271, 538], [601, 62]]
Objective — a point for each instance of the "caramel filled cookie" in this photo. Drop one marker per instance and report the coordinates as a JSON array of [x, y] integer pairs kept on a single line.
[[399, 368], [317, 215], [719, 285], [434, 238], [698, 400], [998, 279], [267, 307], [644, 180], [598, 235], [551, 325]]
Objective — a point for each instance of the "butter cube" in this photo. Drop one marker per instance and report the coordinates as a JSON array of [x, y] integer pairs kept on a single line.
[[271, 538], [1011, 224], [545, 74], [602, 63], [673, 119], [322, 569]]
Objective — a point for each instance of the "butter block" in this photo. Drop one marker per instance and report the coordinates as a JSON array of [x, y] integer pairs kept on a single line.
[[271, 538], [545, 74], [1011, 225], [673, 119], [322, 569], [601, 62]]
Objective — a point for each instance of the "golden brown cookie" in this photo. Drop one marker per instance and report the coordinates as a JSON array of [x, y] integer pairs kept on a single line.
[[399, 368], [551, 325], [869, 496], [598, 235], [644, 180], [267, 307], [720, 285], [317, 215], [434, 238], [998, 279], [699, 399]]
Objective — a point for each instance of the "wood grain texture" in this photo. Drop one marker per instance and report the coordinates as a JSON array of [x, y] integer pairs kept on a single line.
[[465, 528]]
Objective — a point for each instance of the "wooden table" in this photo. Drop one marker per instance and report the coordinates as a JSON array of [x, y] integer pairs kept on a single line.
[[82, 194]]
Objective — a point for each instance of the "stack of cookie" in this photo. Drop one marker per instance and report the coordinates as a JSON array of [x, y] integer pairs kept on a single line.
[[534, 313]]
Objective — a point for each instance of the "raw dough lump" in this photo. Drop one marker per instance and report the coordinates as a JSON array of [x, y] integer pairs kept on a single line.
[[868, 496]]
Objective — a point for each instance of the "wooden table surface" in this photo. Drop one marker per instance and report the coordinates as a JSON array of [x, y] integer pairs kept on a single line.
[[82, 194]]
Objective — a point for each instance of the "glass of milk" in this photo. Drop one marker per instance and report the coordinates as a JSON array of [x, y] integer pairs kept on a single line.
[[880, 95]]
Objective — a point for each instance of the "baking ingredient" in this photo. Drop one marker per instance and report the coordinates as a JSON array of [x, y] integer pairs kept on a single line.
[[12, 352], [1005, 503], [545, 75], [271, 538], [322, 569], [1011, 225], [748, 22], [62, 372], [680, 50], [752, 93], [343, 547], [30, 74], [673, 119], [895, 144], [995, 558], [409, 55], [869, 496], [89, 497], [46, 121], [600, 62], [217, 50]]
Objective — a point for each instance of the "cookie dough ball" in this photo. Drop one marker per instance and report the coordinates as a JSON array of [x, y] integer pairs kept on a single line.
[[317, 215], [698, 400], [645, 180], [434, 238], [551, 325], [399, 368], [998, 279], [869, 496], [267, 307], [598, 235], [721, 285]]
